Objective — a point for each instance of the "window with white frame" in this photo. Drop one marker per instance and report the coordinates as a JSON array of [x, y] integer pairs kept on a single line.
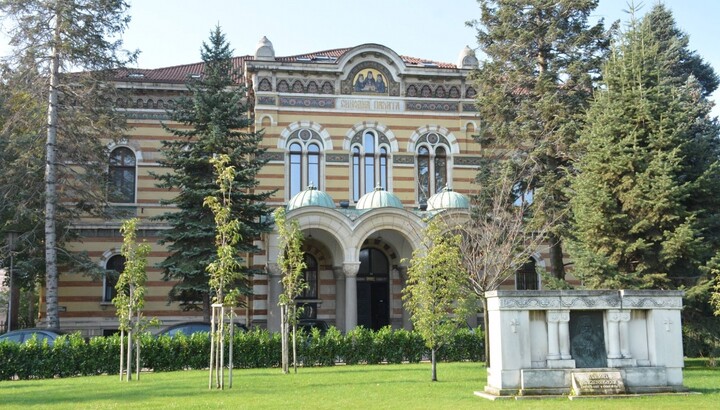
[[305, 161], [370, 162], [432, 165], [121, 173]]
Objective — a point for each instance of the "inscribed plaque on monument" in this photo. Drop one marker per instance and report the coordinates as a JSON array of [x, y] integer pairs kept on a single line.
[[594, 383], [587, 339]]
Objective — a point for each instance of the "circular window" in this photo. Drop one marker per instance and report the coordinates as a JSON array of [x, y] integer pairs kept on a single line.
[[305, 135], [433, 138]]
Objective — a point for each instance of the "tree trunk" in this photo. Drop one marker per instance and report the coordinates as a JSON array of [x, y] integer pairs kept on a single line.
[[556, 256], [284, 339], [137, 345], [294, 344], [433, 364], [486, 332], [129, 356], [294, 336], [51, 273], [122, 353], [206, 307], [137, 357]]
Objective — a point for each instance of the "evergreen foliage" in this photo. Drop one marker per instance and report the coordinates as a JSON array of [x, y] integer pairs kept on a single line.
[[71, 355], [437, 291], [537, 80], [214, 120], [49, 40], [646, 201]]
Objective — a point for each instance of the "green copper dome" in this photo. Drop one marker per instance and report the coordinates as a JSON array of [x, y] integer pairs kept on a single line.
[[447, 198], [379, 198], [311, 196]]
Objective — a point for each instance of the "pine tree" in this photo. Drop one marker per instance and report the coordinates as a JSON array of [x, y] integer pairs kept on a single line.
[[214, 121], [646, 202], [49, 39], [537, 80]]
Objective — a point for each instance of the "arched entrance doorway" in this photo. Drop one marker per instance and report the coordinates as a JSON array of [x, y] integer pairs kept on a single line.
[[373, 289]]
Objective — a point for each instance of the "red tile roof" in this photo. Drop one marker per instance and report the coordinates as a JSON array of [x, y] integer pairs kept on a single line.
[[174, 74], [181, 73]]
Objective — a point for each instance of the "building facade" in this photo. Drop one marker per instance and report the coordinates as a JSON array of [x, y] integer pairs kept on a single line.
[[363, 144]]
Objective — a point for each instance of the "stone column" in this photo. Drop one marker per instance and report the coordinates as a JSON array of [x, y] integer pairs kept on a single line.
[[613, 317], [274, 290], [553, 334], [339, 297], [625, 334], [351, 269], [558, 332], [406, 322], [564, 334]]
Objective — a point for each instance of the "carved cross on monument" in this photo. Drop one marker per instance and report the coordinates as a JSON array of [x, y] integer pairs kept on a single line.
[[514, 325]]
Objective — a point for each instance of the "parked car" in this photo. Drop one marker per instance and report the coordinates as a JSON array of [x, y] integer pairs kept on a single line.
[[188, 328], [24, 335], [307, 325]]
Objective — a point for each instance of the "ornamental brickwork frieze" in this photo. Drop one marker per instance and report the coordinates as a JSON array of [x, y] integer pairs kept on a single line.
[[299, 86], [432, 91]]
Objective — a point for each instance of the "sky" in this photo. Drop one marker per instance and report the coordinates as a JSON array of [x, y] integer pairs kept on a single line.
[[171, 32]]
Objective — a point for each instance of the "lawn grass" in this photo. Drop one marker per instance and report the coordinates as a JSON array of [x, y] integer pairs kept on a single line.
[[404, 386]]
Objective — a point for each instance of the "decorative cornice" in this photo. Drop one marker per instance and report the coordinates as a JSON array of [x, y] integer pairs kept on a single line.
[[469, 107], [403, 159], [606, 300], [273, 156], [439, 106], [266, 100], [145, 115], [472, 161], [307, 102], [336, 158]]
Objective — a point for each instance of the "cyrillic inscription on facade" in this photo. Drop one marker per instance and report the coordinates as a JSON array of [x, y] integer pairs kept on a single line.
[[357, 104]]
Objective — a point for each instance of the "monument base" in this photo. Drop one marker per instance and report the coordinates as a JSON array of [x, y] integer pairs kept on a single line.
[[588, 382]]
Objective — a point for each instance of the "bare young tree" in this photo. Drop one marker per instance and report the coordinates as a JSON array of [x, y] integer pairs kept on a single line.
[[495, 241], [436, 294], [130, 298], [292, 263], [225, 270]]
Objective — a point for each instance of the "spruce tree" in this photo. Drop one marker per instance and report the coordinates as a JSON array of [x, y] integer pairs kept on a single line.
[[214, 120], [537, 80], [646, 200]]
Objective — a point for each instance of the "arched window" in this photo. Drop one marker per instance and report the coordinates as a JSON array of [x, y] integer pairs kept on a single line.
[[295, 175], [114, 267], [305, 161], [432, 165], [310, 276], [122, 173], [369, 164], [526, 278], [307, 300]]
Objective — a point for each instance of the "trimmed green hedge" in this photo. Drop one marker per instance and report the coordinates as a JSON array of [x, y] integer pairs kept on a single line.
[[73, 356]]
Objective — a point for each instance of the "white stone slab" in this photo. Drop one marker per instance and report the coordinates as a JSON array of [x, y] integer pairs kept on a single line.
[[597, 383]]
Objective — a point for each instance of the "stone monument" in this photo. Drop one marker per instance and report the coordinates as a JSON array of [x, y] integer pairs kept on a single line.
[[581, 342]]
